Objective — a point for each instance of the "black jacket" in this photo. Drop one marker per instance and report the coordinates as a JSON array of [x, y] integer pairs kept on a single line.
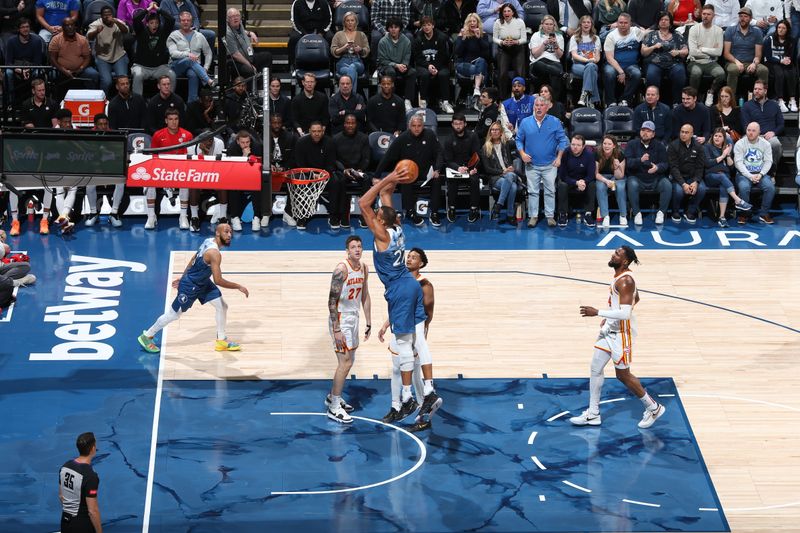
[[287, 141], [352, 152], [450, 19], [386, 115], [151, 50], [434, 51], [309, 154], [490, 165], [686, 163], [458, 150], [127, 114], [424, 150]]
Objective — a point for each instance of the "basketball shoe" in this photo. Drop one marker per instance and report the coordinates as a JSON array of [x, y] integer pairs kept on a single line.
[[224, 345], [430, 404], [420, 425], [649, 417], [346, 406], [408, 407], [338, 414], [392, 416], [586, 419], [147, 343]]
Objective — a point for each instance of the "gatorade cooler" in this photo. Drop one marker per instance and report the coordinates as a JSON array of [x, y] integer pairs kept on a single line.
[[85, 104]]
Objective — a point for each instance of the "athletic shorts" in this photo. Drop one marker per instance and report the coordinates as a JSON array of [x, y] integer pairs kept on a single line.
[[348, 323], [618, 345], [188, 292], [420, 345], [76, 524], [404, 297]]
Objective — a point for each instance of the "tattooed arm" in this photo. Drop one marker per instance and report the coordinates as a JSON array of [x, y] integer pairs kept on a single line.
[[337, 282]]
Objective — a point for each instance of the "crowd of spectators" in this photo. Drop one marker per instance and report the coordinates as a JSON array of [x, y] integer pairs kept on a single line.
[[519, 149]]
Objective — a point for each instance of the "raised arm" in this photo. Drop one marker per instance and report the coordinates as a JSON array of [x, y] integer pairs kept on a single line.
[[366, 302]]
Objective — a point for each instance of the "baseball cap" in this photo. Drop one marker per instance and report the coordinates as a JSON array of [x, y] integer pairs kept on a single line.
[[746, 11], [648, 124], [518, 79]]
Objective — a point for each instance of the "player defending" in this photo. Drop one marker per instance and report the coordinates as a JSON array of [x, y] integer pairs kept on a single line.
[[200, 280], [402, 292], [615, 341], [349, 289], [416, 261]]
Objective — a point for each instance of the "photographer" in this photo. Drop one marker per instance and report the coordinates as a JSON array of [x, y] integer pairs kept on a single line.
[[547, 48]]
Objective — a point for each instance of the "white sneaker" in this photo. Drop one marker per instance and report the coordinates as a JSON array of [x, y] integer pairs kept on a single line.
[[586, 419], [782, 105], [289, 220], [28, 279], [151, 222], [409, 107], [265, 221], [660, 217], [650, 417], [584, 99], [255, 225], [447, 108], [338, 414], [91, 220], [236, 224], [623, 221], [792, 105], [623, 103], [637, 219], [115, 221], [423, 103], [709, 99], [476, 91], [606, 221], [183, 222]]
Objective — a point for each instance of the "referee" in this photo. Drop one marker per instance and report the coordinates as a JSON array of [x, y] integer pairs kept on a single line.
[[77, 490]]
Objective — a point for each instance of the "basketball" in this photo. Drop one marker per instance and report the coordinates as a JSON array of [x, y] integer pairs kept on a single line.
[[412, 169]]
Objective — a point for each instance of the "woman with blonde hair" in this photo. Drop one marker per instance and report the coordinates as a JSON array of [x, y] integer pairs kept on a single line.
[[472, 53], [547, 48], [497, 162], [584, 47], [350, 46]]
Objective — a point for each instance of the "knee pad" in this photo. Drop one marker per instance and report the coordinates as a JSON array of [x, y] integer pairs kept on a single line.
[[599, 361], [405, 352]]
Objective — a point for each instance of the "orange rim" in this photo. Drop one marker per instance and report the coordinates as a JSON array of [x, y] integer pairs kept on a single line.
[[304, 176]]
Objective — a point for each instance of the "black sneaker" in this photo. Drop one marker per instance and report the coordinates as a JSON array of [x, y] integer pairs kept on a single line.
[[495, 214], [474, 215], [430, 405], [346, 221], [222, 220], [451, 214], [421, 425], [676, 217], [589, 220], [414, 218], [691, 219], [562, 220], [512, 220], [392, 416], [408, 407], [435, 220], [302, 223], [194, 224], [334, 222]]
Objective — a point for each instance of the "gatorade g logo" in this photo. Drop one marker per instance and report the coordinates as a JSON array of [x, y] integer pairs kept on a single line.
[[384, 141], [83, 110], [140, 174]]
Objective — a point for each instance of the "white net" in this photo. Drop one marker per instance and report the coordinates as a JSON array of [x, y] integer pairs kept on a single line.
[[305, 186]]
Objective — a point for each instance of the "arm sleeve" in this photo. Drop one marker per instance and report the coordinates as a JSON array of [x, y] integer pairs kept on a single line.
[[623, 313]]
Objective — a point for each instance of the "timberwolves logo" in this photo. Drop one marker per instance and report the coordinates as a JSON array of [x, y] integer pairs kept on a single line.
[[182, 298]]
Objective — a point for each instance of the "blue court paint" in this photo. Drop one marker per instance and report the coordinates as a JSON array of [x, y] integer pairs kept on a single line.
[[46, 403], [478, 473]]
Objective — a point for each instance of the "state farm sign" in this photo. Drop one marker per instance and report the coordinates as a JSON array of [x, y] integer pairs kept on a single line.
[[170, 171]]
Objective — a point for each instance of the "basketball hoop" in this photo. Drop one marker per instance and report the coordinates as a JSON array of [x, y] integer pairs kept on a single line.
[[305, 185]]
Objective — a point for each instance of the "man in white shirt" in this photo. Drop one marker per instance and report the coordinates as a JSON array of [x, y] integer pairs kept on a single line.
[[705, 47]]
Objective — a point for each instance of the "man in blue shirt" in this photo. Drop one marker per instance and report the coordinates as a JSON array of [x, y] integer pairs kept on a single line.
[[656, 112], [50, 14], [742, 49], [769, 117], [520, 105], [541, 142]]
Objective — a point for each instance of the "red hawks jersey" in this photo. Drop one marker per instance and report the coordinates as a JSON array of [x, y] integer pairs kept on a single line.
[[163, 138], [350, 298]]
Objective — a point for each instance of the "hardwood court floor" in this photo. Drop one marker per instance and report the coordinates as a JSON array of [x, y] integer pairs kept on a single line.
[[515, 314]]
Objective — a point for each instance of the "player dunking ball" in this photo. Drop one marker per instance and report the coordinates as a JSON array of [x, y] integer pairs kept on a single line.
[[402, 292], [201, 280], [422, 377], [349, 291], [615, 342]]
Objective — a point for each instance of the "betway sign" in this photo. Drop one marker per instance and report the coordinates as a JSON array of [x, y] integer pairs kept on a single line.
[[175, 171]]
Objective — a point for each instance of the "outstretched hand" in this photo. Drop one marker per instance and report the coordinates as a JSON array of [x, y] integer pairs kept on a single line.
[[588, 311]]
